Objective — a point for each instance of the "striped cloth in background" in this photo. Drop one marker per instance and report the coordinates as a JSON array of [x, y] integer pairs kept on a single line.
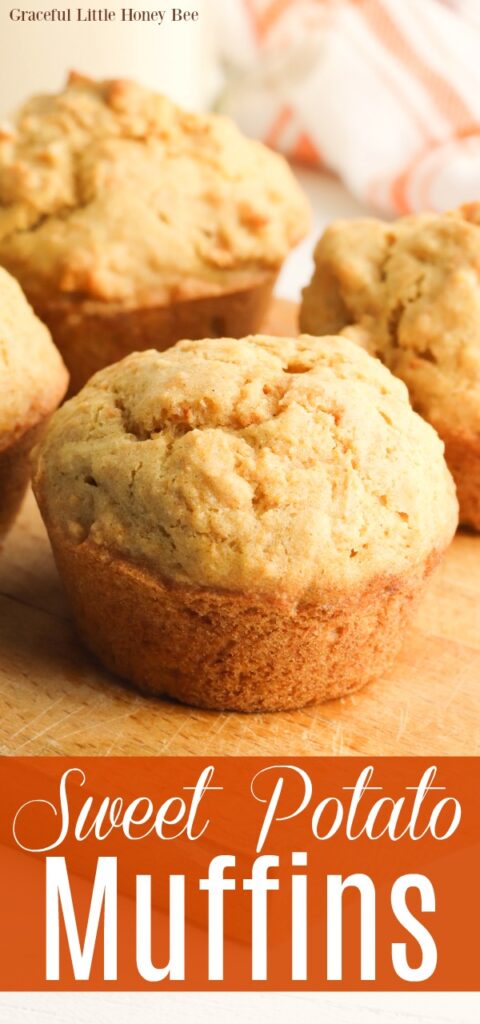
[[385, 93]]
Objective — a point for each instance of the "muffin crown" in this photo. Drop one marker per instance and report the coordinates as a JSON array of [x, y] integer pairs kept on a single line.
[[33, 378], [288, 467], [111, 192], [409, 292]]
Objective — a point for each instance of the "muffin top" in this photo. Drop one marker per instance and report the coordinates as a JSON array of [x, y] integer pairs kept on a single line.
[[111, 193], [33, 378], [287, 467], [410, 293]]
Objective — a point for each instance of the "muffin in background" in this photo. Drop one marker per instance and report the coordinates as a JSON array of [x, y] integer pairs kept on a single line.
[[409, 292], [33, 380], [245, 524], [131, 223]]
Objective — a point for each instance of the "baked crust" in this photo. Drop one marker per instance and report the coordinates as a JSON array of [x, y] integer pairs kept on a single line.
[[91, 336], [245, 524], [111, 192], [15, 475], [408, 293], [272, 466], [33, 378], [228, 651], [462, 453]]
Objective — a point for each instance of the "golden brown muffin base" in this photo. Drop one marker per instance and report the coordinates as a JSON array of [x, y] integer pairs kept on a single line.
[[90, 336], [463, 459], [224, 651], [15, 475]]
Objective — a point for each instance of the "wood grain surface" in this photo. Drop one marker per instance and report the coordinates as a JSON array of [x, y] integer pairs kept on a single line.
[[54, 698]]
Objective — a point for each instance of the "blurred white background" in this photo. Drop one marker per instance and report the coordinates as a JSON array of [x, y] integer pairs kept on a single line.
[[384, 94]]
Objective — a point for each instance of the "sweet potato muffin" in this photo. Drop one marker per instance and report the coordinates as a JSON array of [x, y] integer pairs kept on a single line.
[[409, 292], [131, 223], [33, 380], [245, 523]]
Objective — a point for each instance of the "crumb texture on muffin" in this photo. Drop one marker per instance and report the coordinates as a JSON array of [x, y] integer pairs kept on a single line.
[[111, 192], [409, 292], [33, 378], [290, 468]]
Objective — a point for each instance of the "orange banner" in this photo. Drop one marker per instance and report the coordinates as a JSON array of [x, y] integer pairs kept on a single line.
[[239, 873]]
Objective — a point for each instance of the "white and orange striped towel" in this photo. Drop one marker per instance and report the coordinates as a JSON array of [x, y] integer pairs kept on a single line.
[[385, 93]]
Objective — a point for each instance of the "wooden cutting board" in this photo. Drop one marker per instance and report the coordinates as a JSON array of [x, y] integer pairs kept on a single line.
[[54, 698]]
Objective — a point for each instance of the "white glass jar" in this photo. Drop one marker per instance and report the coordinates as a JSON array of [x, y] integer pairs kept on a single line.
[[175, 57]]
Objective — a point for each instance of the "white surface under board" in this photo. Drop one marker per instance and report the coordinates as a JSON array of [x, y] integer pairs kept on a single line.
[[240, 1008]]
